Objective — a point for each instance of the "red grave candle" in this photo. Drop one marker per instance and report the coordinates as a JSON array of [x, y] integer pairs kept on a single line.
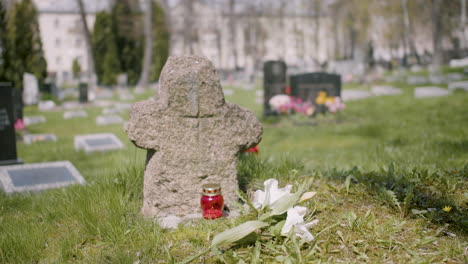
[[212, 201]]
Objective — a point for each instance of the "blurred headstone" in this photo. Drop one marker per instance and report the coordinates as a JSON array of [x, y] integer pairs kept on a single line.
[[122, 81], [8, 154], [30, 89], [353, 95], [31, 120], [455, 76], [416, 80], [274, 82], [108, 120], [38, 176], [46, 105], [385, 90], [31, 138], [74, 114], [308, 85], [430, 91], [97, 142], [462, 85], [83, 97]]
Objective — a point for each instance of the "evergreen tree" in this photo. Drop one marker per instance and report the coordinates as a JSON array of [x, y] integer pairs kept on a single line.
[[160, 42], [105, 49], [24, 42], [76, 68], [128, 28]]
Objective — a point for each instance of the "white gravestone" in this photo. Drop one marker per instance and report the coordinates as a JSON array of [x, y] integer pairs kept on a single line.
[[46, 105], [416, 80], [32, 138], [385, 90], [430, 91], [462, 85], [30, 89], [108, 120], [74, 114], [31, 120], [97, 142], [352, 95]]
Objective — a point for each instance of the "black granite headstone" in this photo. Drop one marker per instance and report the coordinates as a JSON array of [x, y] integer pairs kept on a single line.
[[8, 153], [308, 85], [274, 82], [17, 104], [83, 92]]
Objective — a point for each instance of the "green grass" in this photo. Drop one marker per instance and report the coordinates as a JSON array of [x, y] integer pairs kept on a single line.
[[383, 169]]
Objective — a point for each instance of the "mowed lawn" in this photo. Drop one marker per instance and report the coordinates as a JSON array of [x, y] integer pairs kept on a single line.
[[384, 170]]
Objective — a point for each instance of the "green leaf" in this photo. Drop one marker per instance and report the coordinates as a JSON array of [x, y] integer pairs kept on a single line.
[[276, 229], [348, 182], [237, 233]]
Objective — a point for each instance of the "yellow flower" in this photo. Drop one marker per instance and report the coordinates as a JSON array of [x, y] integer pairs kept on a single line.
[[447, 208], [321, 98], [330, 100]]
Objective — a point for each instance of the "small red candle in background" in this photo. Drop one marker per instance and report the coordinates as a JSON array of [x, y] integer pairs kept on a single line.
[[253, 150], [212, 201]]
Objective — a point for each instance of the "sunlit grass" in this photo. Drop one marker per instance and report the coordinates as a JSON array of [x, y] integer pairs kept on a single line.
[[376, 147]]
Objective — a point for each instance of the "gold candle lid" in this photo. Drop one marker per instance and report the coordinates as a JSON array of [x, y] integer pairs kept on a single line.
[[211, 189]]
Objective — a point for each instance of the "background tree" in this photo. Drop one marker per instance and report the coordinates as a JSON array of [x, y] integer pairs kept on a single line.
[[105, 49], [76, 68], [160, 41], [128, 28], [25, 46], [148, 52], [88, 42]]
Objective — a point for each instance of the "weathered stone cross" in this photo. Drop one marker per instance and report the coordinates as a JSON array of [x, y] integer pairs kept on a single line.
[[192, 136]]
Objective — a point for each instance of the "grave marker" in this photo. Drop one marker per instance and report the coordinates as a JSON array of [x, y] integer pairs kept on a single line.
[[32, 138], [31, 120], [192, 136], [385, 90], [30, 89], [104, 120], [74, 114], [83, 89], [416, 80], [274, 83], [38, 176], [308, 85], [122, 81], [8, 154], [97, 142], [430, 91], [353, 95], [462, 85]]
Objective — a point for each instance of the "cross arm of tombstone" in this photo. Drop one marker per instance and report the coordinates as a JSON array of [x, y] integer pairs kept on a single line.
[[244, 128], [142, 123]]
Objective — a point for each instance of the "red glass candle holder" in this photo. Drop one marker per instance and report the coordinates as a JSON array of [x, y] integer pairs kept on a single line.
[[212, 201]]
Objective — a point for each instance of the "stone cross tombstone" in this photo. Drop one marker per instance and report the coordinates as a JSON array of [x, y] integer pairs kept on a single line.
[[8, 154], [192, 136], [30, 89], [274, 82], [83, 89], [308, 85]]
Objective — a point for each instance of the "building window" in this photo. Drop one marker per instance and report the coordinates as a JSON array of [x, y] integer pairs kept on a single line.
[[57, 42], [78, 42], [58, 60], [56, 23]]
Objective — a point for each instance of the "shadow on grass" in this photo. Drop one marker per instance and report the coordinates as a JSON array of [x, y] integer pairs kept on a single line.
[[427, 192]]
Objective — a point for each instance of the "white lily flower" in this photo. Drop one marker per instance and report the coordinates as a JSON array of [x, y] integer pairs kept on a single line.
[[295, 219], [271, 194]]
